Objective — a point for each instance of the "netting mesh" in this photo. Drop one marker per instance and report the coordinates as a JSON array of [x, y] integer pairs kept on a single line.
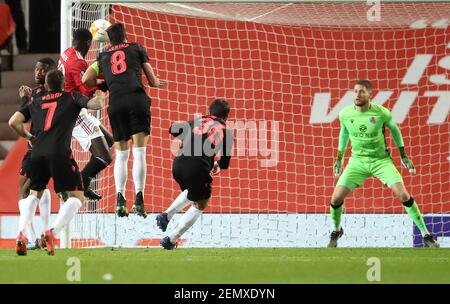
[[287, 70]]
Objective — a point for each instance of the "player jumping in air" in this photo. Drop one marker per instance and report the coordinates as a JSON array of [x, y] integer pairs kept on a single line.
[[202, 139], [89, 132], [53, 116], [364, 123], [43, 66], [129, 109]]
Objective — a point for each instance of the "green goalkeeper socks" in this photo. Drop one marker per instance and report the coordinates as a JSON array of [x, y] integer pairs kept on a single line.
[[336, 212], [413, 211]]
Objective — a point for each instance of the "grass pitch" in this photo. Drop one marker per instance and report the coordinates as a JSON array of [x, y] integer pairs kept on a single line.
[[227, 266]]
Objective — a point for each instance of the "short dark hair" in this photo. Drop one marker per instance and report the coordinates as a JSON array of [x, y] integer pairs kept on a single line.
[[116, 33], [82, 35], [48, 61], [219, 108], [365, 83], [54, 80]]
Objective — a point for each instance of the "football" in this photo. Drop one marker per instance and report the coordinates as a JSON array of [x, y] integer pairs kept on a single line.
[[98, 30]]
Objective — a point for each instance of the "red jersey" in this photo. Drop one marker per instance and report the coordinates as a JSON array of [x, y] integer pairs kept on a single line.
[[73, 66]]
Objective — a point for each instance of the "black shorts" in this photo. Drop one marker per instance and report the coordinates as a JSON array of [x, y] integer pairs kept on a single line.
[[25, 168], [129, 115], [63, 169], [193, 175]]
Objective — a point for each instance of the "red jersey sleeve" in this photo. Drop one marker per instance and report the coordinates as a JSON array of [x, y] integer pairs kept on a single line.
[[76, 72]]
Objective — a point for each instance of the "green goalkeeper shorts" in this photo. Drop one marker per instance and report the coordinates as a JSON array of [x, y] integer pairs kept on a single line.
[[359, 169]]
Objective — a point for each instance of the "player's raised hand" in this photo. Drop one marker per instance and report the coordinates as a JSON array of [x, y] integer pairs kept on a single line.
[[24, 91], [408, 164], [161, 83], [216, 169], [337, 168]]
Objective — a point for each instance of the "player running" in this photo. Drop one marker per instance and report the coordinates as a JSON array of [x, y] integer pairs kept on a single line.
[[53, 116], [364, 123], [202, 139], [89, 132], [43, 66], [129, 109]]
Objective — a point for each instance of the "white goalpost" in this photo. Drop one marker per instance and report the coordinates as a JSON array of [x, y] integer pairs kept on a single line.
[[287, 68]]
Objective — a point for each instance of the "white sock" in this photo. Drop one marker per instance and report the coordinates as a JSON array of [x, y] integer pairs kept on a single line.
[[27, 208], [139, 168], [186, 221], [44, 208], [32, 230], [178, 204], [66, 213], [23, 219], [121, 170]]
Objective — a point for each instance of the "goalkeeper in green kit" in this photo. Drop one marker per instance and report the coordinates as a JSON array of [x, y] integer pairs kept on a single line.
[[364, 124]]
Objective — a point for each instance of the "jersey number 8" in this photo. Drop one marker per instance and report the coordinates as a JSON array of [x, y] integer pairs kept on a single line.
[[118, 63]]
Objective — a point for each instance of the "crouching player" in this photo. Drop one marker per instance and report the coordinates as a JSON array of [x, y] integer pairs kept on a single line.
[[202, 139]]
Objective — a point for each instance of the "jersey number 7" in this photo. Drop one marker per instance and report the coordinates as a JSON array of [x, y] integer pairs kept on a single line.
[[51, 106], [118, 63]]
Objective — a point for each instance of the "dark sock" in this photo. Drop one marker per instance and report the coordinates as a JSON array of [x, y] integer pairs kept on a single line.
[[409, 203], [336, 206], [93, 167]]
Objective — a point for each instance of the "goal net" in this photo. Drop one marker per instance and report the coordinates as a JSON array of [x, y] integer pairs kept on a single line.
[[287, 69]]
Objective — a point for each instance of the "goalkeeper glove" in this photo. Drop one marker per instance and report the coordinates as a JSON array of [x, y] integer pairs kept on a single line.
[[407, 163], [337, 168]]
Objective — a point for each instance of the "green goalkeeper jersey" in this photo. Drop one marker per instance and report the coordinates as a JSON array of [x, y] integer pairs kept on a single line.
[[366, 131]]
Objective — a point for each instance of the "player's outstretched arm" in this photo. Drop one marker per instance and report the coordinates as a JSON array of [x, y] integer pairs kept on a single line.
[[153, 81], [96, 103], [90, 76], [16, 122], [398, 139]]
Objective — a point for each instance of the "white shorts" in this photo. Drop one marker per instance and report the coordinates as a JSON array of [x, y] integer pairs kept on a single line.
[[86, 129]]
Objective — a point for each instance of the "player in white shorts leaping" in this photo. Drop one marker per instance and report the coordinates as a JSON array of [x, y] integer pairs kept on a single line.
[[88, 131]]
